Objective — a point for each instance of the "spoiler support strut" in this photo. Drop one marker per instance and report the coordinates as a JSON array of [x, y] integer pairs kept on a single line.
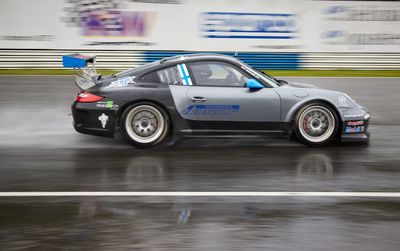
[[84, 67]]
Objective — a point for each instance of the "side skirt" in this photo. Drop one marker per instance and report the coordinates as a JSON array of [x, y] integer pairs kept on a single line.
[[234, 134], [230, 132]]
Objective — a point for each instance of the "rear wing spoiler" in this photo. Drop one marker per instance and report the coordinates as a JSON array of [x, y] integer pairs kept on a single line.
[[77, 60], [85, 69]]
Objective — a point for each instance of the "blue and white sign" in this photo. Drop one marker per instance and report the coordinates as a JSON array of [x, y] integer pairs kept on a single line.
[[249, 25]]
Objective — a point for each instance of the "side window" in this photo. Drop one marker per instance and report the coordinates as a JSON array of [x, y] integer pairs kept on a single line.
[[151, 77], [169, 76], [217, 74]]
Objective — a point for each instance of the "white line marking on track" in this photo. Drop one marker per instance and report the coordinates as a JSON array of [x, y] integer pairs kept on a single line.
[[201, 194]]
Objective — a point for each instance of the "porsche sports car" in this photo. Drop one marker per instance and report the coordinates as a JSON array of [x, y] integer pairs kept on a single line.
[[208, 95]]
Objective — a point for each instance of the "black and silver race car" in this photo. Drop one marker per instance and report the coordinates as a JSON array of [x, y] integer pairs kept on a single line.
[[208, 95]]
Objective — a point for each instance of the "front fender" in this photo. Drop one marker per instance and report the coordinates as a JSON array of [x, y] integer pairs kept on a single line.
[[346, 108], [293, 110]]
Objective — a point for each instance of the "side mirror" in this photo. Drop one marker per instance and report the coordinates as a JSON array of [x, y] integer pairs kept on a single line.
[[253, 84]]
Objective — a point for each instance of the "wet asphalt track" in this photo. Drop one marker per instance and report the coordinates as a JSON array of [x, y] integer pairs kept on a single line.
[[39, 151]]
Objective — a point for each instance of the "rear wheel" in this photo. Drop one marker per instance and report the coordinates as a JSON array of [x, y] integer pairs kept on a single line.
[[144, 124], [316, 124]]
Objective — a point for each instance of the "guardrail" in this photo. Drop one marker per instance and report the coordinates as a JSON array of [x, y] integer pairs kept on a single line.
[[52, 59], [361, 61], [124, 59], [259, 60]]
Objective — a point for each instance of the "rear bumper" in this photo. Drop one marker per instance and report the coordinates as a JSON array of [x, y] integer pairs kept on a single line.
[[94, 121], [93, 131]]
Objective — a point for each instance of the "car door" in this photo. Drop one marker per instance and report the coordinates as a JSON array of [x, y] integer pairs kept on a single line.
[[219, 99]]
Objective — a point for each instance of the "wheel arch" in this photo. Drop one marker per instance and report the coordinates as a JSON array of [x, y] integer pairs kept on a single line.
[[136, 101], [295, 109]]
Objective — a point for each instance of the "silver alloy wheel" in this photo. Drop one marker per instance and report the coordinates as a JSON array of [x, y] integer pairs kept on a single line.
[[316, 124], [144, 124]]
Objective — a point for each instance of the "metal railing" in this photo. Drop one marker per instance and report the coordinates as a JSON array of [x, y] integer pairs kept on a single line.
[[124, 59], [52, 59], [362, 61]]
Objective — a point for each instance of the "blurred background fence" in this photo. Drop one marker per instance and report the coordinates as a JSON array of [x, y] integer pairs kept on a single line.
[[124, 59], [274, 34]]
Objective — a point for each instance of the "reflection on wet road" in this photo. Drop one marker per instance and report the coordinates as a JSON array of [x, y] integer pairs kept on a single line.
[[190, 167], [39, 151], [103, 225]]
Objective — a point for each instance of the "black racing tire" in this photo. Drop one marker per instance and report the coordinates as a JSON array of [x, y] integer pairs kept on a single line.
[[316, 124], [144, 124]]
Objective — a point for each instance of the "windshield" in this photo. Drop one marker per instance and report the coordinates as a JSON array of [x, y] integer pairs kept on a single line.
[[266, 78]]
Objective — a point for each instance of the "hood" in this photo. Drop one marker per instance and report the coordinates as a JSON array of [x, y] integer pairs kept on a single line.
[[302, 85]]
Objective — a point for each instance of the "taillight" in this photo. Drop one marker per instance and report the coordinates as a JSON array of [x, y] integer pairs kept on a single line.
[[86, 97]]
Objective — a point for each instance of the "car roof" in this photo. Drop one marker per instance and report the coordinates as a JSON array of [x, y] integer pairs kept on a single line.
[[197, 56], [169, 61]]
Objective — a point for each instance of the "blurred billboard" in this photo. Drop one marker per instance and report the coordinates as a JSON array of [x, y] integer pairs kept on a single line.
[[224, 25]]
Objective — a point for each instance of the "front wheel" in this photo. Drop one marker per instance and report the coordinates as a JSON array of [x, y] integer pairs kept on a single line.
[[316, 124], [144, 124]]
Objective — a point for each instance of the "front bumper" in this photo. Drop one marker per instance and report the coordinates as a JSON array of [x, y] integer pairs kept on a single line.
[[355, 131], [362, 137]]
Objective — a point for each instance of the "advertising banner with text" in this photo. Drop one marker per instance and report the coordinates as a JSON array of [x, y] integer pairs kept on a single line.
[[224, 25]]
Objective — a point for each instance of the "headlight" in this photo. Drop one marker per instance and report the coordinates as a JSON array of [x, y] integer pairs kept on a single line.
[[345, 101], [367, 115]]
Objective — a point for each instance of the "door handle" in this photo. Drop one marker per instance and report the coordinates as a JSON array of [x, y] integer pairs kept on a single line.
[[198, 99]]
